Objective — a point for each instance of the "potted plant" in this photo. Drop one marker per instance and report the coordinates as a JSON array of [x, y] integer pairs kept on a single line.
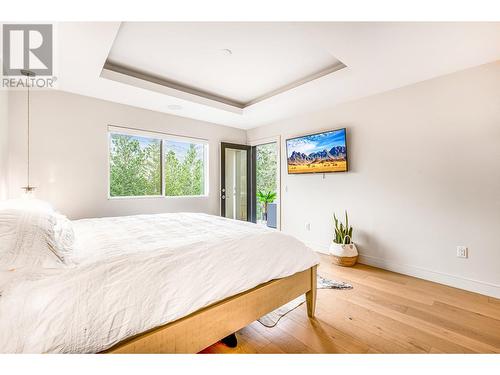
[[342, 249], [265, 199]]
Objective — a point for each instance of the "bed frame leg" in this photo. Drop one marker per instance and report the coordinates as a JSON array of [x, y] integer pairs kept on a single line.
[[311, 295], [230, 341]]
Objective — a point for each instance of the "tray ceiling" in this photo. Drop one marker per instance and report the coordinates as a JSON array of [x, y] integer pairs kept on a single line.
[[238, 64]]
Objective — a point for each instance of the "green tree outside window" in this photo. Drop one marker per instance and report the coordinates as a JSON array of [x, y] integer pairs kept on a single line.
[[135, 167], [266, 170]]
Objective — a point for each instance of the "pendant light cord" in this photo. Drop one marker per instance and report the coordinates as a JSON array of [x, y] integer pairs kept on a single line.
[[28, 170], [28, 188]]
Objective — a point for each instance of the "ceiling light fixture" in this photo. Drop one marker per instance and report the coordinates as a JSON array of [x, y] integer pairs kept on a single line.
[[227, 51], [28, 189]]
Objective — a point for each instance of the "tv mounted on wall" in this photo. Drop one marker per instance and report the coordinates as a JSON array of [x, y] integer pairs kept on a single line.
[[317, 153]]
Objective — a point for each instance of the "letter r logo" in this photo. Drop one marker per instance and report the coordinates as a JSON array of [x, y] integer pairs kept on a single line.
[[27, 47]]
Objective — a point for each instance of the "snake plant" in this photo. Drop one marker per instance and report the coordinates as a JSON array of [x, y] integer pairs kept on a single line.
[[342, 230]]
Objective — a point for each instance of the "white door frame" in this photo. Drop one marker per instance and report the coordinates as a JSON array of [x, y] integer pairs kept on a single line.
[[277, 140]]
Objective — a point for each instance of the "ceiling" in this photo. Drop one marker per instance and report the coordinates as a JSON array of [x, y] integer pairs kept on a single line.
[[273, 70], [236, 63]]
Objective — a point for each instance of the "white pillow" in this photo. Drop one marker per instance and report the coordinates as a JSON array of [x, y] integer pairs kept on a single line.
[[27, 237]]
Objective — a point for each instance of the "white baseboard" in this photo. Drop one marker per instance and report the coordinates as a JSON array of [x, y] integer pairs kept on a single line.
[[481, 287]]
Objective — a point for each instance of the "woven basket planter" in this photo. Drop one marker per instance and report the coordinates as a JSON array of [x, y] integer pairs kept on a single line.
[[345, 255], [344, 261]]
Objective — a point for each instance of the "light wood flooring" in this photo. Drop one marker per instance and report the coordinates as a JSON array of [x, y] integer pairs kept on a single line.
[[386, 312]]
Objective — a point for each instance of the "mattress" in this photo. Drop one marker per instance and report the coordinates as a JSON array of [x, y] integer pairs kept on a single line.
[[135, 273]]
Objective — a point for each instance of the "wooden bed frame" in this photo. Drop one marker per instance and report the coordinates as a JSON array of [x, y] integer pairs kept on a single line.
[[205, 327]]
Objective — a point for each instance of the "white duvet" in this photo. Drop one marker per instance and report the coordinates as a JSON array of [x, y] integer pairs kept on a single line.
[[135, 273]]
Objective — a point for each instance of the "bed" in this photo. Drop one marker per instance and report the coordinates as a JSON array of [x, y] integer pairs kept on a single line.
[[167, 283]]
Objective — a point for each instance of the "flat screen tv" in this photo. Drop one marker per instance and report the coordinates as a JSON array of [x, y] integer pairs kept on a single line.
[[317, 153]]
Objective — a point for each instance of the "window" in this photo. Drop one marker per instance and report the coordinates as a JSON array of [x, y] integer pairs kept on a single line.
[[135, 167], [153, 164], [184, 172]]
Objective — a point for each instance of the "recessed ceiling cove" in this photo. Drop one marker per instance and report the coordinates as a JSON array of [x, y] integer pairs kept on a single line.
[[233, 64]]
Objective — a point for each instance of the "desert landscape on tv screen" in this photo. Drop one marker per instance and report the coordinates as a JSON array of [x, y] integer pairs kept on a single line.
[[318, 153]]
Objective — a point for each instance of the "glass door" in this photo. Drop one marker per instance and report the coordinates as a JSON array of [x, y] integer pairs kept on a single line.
[[267, 179], [237, 183]]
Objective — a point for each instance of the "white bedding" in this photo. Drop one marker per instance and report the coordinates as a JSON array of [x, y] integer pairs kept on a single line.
[[135, 273]]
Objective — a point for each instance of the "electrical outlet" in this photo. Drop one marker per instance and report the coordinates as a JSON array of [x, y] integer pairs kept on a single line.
[[308, 226], [462, 252]]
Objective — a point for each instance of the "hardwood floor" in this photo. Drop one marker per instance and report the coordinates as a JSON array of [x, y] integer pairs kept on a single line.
[[386, 312]]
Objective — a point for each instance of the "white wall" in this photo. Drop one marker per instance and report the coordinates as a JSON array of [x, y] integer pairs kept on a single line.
[[3, 142], [4, 131], [424, 178], [69, 153]]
